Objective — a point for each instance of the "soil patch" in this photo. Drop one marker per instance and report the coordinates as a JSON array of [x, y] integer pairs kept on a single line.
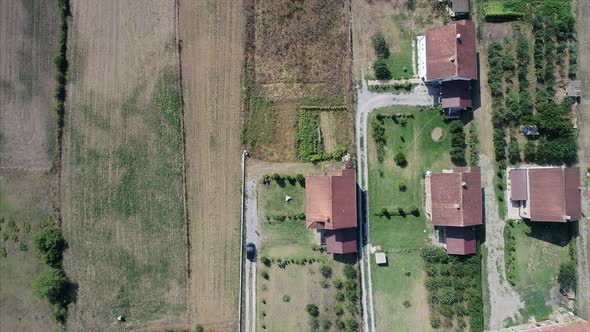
[[437, 134]]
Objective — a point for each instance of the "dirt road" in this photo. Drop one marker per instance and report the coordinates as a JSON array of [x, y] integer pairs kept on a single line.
[[504, 300], [583, 28], [251, 216], [212, 39]]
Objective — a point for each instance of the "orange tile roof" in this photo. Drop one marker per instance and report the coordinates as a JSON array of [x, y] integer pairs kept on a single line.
[[456, 197], [330, 200], [448, 56]]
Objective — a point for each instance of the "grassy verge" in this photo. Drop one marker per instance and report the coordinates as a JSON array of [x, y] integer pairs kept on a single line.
[[393, 88], [260, 127], [400, 63]]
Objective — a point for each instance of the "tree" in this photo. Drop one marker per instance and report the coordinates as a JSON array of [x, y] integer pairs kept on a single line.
[[51, 285], [340, 325], [381, 70], [276, 177], [458, 156], [312, 310], [300, 178], [513, 151], [199, 328], [400, 159], [414, 210], [401, 185], [530, 151], [51, 245], [326, 271], [380, 46], [338, 311]]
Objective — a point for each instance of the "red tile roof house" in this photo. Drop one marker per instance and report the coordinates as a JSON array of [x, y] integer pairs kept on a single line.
[[550, 194], [330, 207], [454, 204], [451, 63]]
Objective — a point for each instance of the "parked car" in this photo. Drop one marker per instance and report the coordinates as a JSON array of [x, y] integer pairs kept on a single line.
[[250, 251]]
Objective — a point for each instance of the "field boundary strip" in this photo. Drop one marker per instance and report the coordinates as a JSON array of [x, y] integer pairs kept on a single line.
[[183, 136]]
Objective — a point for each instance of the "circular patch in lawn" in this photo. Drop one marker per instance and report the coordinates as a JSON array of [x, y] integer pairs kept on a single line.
[[437, 134]]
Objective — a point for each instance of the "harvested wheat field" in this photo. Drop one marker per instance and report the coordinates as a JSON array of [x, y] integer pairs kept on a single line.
[[212, 35], [28, 37], [298, 54], [122, 183]]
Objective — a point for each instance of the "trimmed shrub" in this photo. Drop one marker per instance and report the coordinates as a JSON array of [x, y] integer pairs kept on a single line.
[[350, 271], [381, 70], [400, 159], [312, 310]]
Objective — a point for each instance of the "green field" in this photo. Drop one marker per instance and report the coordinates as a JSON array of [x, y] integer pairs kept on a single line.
[[402, 237], [402, 58], [540, 248]]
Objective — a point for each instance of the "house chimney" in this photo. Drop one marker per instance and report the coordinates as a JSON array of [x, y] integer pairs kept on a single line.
[[458, 36], [452, 59], [457, 206], [464, 184]]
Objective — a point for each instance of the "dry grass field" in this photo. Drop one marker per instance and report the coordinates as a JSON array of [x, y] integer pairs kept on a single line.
[[28, 39], [298, 54], [25, 199], [392, 18], [121, 188], [212, 35]]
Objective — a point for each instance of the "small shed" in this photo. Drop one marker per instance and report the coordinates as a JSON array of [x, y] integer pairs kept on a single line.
[[380, 258], [574, 89], [460, 7]]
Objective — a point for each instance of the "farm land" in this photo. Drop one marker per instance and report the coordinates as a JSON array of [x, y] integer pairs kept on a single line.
[[531, 52], [311, 277], [25, 205], [212, 59], [29, 36], [297, 56], [28, 187], [122, 190]]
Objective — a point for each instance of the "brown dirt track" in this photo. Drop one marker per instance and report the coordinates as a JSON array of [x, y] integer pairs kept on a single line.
[[27, 38], [212, 35]]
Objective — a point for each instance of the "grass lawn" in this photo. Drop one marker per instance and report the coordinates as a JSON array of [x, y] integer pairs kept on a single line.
[[402, 237], [538, 257], [289, 238], [402, 58]]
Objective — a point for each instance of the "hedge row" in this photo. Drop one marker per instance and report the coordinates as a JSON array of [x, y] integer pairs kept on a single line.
[[61, 66], [504, 11], [457, 143], [284, 217], [322, 108]]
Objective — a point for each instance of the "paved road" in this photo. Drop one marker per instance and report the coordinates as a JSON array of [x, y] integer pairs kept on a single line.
[[251, 218], [583, 293], [366, 102]]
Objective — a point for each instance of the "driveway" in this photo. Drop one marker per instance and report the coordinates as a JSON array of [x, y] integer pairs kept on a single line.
[[251, 219]]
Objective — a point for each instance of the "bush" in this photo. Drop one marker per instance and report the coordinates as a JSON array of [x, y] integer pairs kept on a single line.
[[406, 304], [325, 323], [401, 185], [265, 275], [338, 311], [286, 298], [300, 179], [380, 45], [199, 328], [513, 151], [400, 159], [312, 310], [350, 271], [51, 245], [265, 261], [567, 276], [435, 322], [338, 284], [314, 323], [414, 210], [381, 70], [340, 297], [352, 325], [326, 271], [340, 325]]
